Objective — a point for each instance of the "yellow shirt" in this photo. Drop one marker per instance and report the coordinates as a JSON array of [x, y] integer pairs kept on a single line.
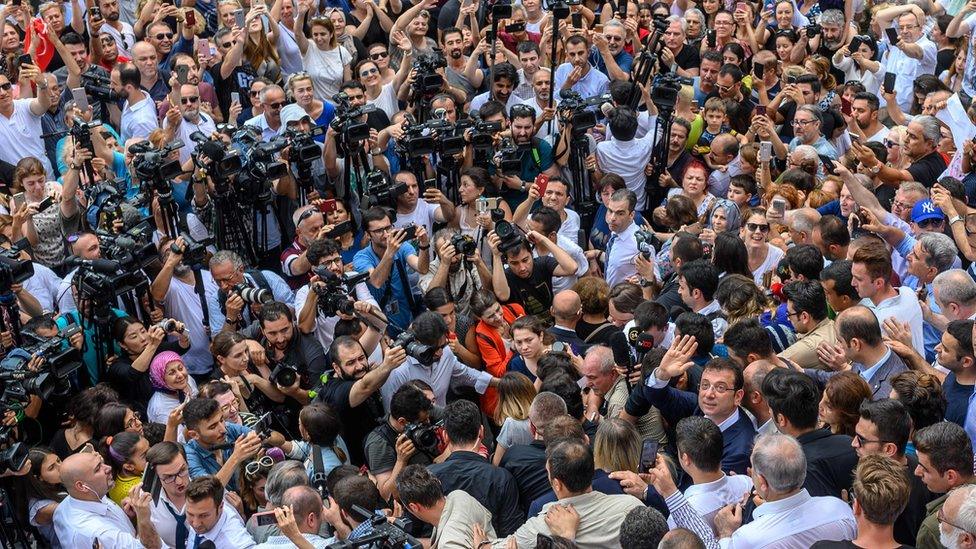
[[123, 485]]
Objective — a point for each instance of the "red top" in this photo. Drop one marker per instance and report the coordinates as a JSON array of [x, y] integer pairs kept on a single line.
[[495, 353]]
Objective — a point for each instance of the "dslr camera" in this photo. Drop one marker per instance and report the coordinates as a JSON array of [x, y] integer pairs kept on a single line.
[[424, 437], [253, 295], [425, 354]]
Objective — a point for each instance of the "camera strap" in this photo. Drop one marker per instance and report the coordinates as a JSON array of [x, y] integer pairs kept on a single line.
[[406, 287]]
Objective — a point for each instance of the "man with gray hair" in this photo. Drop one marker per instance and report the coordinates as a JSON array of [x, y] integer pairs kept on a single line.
[[609, 56], [282, 477], [958, 522], [954, 292], [921, 144], [269, 122], [675, 52], [911, 56], [789, 516], [801, 223], [527, 462]]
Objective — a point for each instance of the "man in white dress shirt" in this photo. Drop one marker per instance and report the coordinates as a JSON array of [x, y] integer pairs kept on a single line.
[[625, 154], [789, 516], [622, 246], [555, 195], [871, 277], [209, 519], [911, 56], [139, 111], [700, 455], [269, 122], [88, 516], [188, 119]]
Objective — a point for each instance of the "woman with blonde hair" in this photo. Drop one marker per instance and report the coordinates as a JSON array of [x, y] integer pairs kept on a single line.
[[617, 446], [952, 76], [326, 61], [515, 395], [894, 143]]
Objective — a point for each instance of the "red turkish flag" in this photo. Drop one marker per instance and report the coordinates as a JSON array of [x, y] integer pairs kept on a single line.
[[45, 49]]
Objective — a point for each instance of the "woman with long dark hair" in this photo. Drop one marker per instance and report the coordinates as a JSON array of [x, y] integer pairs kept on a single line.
[[129, 374], [44, 491]]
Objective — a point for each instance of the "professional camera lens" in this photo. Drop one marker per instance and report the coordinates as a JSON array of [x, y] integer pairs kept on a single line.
[[253, 295], [284, 375], [167, 325]]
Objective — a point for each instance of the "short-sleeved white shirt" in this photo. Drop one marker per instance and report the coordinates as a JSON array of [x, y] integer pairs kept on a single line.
[[20, 136]]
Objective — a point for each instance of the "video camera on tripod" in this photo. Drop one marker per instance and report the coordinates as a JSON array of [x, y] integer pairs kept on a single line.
[[437, 135], [52, 378], [333, 295], [427, 81], [152, 164], [380, 191], [225, 161], [13, 269], [580, 112], [349, 130], [99, 87]]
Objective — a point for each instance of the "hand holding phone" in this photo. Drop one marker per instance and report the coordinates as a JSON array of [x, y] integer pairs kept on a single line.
[[328, 206], [541, 182], [648, 456], [889, 82], [892, 35]]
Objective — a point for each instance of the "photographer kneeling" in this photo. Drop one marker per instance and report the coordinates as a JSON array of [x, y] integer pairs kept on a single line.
[[298, 357], [319, 297]]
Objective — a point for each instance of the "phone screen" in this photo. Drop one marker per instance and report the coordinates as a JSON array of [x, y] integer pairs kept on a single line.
[[235, 97], [648, 456], [760, 110], [266, 518], [892, 35], [578, 20], [80, 97]]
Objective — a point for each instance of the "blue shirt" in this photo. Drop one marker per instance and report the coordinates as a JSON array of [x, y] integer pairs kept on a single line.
[[971, 420], [89, 356], [392, 296], [931, 335], [201, 461], [593, 83], [957, 399], [624, 60], [867, 372]]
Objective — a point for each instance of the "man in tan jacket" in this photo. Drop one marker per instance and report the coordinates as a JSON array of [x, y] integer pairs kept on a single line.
[[453, 516], [806, 307]]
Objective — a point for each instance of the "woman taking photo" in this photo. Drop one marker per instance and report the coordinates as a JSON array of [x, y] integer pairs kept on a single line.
[[471, 219], [860, 65], [493, 335], [45, 230], [130, 371], [326, 61], [172, 385], [260, 50], [350, 241]]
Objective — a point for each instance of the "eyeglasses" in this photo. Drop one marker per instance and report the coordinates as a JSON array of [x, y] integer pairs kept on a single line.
[[277, 105], [189, 100], [382, 230], [379, 55], [255, 467], [170, 479], [164, 36], [722, 88], [942, 518], [719, 388], [761, 227], [334, 261], [796, 122], [930, 223], [790, 315], [861, 441], [134, 422], [888, 143], [368, 72]]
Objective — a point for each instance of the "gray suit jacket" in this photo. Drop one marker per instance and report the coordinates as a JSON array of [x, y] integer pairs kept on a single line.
[[880, 381]]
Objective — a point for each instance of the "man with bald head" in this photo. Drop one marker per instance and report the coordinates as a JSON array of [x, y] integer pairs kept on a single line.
[[801, 223], [859, 339], [566, 311], [87, 517], [954, 292], [753, 400], [154, 79], [306, 504], [181, 123]]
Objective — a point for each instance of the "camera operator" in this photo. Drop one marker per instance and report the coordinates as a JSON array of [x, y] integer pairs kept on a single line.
[[228, 306], [352, 388], [437, 366], [535, 154], [175, 289], [519, 277], [325, 253], [37, 294], [309, 226], [386, 260], [832, 33], [189, 118], [462, 272], [289, 349], [410, 210], [388, 449]]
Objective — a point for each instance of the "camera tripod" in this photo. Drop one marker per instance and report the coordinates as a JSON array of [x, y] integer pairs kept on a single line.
[[230, 232]]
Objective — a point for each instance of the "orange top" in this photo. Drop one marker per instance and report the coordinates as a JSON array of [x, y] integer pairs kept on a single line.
[[495, 353]]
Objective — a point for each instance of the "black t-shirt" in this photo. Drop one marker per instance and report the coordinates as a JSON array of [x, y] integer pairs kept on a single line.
[[944, 59], [533, 293], [687, 58], [135, 387], [358, 421], [927, 169], [239, 81]]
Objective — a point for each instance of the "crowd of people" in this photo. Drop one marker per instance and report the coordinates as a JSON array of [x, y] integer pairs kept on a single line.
[[354, 273]]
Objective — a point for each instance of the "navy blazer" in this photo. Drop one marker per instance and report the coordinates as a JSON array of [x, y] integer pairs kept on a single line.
[[569, 337], [880, 382], [676, 404]]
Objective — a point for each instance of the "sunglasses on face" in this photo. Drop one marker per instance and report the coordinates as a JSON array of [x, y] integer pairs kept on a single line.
[[164, 36], [761, 227], [6, 86], [379, 55], [277, 105], [189, 100], [368, 72]]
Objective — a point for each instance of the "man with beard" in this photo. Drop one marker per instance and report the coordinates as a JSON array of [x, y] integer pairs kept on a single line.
[[183, 122], [506, 80], [139, 110], [73, 46], [536, 156], [539, 101], [864, 113], [325, 253], [833, 35], [458, 75], [122, 32], [577, 73], [352, 389], [174, 288], [434, 207], [460, 274], [705, 83]]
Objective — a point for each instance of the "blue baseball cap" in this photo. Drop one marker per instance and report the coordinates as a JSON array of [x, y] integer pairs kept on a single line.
[[925, 210]]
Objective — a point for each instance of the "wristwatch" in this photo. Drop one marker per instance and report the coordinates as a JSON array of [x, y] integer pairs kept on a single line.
[[955, 218], [875, 169]]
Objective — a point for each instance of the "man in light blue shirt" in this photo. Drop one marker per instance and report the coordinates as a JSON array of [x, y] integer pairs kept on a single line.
[[578, 75], [806, 128]]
